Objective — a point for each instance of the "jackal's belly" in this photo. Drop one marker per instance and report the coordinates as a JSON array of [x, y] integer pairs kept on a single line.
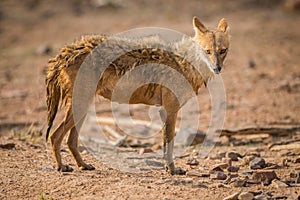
[[150, 94]]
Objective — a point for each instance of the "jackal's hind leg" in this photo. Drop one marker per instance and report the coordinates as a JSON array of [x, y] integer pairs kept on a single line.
[[73, 146], [56, 140]]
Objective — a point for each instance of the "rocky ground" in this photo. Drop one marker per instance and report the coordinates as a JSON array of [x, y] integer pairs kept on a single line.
[[261, 77]]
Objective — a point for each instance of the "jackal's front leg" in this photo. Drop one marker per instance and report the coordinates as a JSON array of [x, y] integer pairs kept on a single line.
[[168, 145]]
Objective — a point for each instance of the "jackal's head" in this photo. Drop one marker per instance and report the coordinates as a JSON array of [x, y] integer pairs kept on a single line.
[[214, 43]]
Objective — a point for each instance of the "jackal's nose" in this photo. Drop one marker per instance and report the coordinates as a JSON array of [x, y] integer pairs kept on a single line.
[[217, 69]]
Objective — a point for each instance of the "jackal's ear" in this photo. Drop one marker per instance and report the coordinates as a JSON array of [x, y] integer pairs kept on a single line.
[[198, 27], [223, 26]]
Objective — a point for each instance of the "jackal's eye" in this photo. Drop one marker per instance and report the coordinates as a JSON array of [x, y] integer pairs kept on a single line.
[[223, 51], [207, 51]]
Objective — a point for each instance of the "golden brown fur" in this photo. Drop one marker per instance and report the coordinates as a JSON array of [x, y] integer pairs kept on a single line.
[[62, 71]]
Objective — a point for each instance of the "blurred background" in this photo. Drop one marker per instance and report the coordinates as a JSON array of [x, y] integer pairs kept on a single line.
[[261, 76]]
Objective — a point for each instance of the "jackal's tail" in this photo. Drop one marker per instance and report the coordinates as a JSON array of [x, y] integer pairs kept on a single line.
[[53, 92], [57, 92]]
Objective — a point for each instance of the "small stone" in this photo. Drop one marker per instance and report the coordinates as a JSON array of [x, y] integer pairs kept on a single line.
[[192, 161], [227, 160], [233, 196], [218, 176], [145, 150], [193, 173], [233, 168], [246, 196], [8, 146], [221, 155], [298, 178], [201, 185], [233, 155], [156, 147], [297, 160], [216, 169], [257, 163], [253, 153], [262, 197], [272, 166], [237, 182], [219, 167], [278, 184], [230, 177], [265, 176], [247, 159]]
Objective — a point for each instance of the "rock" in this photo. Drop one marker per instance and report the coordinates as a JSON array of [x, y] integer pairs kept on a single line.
[[216, 169], [219, 167], [201, 185], [230, 177], [257, 163], [237, 182], [221, 155], [247, 159], [233, 196], [197, 173], [185, 181], [265, 176], [298, 178], [246, 196], [233, 168], [253, 153], [263, 196], [227, 160], [156, 147], [8, 146], [297, 160], [272, 166], [218, 176], [192, 161], [233, 155], [145, 150], [278, 184]]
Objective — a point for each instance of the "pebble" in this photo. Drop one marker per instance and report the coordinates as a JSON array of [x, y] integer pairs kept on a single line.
[[257, 163], [145, 150], [233, 168], [192, 161], [247, 159], [197, 173], [219, 167], [278, 184], [298, 178], [233, 196], [297, 160], [233, 155], [263, 196], [227, 160], [265, 176], [201, 185], [156, 147], [219, 176], [246, 196], [253, 153], [237, 182]]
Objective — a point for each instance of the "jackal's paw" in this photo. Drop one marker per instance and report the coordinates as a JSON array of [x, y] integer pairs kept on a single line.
[[87, 167], [65, 168], [175, 170]]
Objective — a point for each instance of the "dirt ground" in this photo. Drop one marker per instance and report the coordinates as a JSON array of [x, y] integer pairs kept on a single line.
[[261, 77]]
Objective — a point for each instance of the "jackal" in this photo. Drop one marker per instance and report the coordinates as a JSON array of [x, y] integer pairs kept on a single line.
[[62, 71]]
